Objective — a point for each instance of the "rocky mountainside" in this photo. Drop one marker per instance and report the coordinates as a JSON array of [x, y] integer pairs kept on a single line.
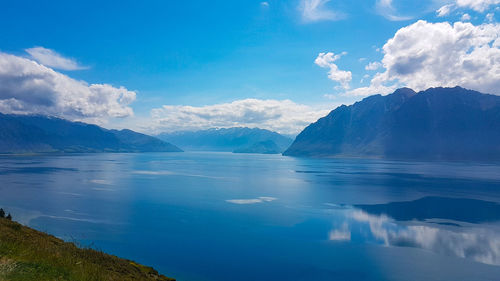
[[439, 123]]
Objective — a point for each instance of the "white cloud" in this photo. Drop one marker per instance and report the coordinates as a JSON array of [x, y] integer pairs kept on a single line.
[[316, 10], [424, 55], [490, 17], [283, 116], [373, 65], [264, 4], [372, 89], [445, 10], [52, 59], [476, 5], [365, 77], [27, 87], [465, 17], [326, 60], [386, 9]]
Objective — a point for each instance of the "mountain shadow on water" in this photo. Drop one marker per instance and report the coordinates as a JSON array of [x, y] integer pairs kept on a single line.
[[457, 209]]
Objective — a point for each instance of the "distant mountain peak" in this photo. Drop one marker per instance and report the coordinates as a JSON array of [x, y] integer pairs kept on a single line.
[[235, 139], [407, 92]]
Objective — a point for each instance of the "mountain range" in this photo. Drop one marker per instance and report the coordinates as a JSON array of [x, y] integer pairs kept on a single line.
[[437, 124], [41, 134], [237, 139]]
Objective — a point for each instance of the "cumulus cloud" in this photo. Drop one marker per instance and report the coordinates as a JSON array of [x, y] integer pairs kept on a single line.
[[386, 9], [373, 89], [373, 65], [283, 116], [316, 10], [465, 17], [264, 4], [52, 59], [476, 5], [326, 60], [27, 87], [490, 17], [365, 77], [424, 55]]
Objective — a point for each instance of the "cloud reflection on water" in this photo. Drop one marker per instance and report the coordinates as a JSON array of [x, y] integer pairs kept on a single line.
[[474, 242], [251, 201]]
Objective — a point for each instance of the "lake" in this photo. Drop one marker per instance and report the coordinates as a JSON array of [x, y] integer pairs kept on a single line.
[[200, 216]]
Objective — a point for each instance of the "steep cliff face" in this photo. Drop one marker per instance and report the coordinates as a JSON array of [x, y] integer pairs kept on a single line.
[[439, 123]]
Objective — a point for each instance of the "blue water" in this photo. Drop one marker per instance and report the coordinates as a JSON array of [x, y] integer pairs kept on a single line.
[[222, 216]]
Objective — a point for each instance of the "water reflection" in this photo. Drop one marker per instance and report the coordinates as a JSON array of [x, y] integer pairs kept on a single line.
[[409, 224], [34, 170], [458, 209], [257, 214]]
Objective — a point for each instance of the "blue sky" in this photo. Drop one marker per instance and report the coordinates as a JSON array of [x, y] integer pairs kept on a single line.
[[216, 53]]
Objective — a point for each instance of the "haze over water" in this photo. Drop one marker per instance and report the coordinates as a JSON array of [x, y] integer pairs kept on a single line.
[[222, 216]]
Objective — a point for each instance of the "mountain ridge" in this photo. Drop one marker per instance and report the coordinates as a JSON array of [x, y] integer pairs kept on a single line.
[[49, 134], [438, 123], [235, 139]]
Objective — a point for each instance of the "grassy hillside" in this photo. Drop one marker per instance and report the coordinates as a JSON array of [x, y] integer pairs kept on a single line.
[[27, 254]]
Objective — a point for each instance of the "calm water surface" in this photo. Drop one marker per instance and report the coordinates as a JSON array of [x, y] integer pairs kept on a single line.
[[223, 216]]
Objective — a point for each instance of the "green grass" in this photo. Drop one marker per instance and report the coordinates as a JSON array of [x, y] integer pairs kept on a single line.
[[27, 254]]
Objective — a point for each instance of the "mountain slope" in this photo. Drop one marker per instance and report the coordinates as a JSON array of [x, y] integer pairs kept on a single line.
[[439, 123], [231, 139], [28, 134]]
